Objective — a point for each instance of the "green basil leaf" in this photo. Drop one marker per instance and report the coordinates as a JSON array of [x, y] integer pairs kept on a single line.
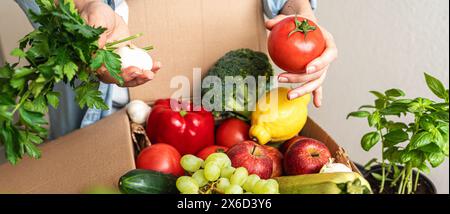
[[402, 101], [414, 107], [421, 139], [426, 123], [436, 86], [436, 159], [377, 176], [366, 107], [374, 119], [369, 140], [380, 103], [394, 93], [412, 156], [393, 154], [430, 148], [379, 95], [396, 136], [393, 110], [360, 114], [424, 168], [395, 126]]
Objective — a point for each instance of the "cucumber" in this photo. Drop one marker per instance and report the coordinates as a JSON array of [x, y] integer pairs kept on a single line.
[[324, 183], [141, 181]]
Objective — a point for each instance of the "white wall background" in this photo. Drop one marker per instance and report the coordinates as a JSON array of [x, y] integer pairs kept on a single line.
[[382, 44]]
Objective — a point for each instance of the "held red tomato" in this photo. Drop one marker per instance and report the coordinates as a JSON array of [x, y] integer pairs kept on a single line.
[[232, 131], [161, 158], [204, 153], [294, 42]]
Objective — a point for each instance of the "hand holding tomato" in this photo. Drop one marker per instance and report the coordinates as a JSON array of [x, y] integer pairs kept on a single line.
[[315, 71]]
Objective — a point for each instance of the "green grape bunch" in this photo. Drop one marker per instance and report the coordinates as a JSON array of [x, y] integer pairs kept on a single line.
[[216, 175]]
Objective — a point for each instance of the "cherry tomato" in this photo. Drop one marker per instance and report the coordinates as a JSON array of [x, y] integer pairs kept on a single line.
[[161, 158], [232, 131], [204, 153], [294, 42]]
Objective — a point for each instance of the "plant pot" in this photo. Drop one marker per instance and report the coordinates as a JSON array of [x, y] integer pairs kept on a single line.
[[425, 186], [360, 168]]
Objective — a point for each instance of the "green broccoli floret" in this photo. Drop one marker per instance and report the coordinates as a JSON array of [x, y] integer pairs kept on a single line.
[[243, 63]]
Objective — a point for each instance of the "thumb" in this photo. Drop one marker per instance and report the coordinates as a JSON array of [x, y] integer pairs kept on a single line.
[[272, 22]]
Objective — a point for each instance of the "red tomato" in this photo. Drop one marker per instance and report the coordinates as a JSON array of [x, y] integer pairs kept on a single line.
[[161, 158], [294, 42], [232, 131], [204, 153]]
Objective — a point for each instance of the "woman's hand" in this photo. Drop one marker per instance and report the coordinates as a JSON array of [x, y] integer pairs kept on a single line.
[[316, 70], [99, 14]]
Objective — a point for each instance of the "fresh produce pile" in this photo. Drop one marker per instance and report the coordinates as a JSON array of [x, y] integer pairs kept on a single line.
[[64, 49], [193, 155]]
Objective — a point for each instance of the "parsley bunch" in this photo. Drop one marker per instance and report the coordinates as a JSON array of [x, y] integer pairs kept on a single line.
[[63, 49]]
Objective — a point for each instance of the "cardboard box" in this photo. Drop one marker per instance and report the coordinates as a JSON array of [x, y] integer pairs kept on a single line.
[[187, 34]]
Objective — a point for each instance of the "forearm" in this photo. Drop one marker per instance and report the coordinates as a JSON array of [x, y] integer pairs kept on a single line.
[[300, 7]]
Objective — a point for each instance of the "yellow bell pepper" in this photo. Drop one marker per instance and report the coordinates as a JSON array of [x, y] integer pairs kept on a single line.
[[278, 120]]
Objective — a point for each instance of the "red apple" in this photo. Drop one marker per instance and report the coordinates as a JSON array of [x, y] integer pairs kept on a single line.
[[277, 159], [253, 157], [305, 156], [284, 147]]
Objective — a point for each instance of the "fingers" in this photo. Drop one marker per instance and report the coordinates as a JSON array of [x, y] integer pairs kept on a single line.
[[328, 56], [307, 88], [272, 22], [318, 97], [299, 78], [134, 76], [156, 66]]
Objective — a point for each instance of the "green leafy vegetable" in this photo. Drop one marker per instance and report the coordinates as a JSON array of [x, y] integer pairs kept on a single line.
[[63, 49], [427, 134]]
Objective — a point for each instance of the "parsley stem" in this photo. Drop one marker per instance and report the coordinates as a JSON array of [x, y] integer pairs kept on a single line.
[[123, 40], [149, 48], [22, 101]]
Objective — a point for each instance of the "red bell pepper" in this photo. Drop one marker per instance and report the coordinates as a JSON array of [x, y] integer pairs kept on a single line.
[[187, 130]]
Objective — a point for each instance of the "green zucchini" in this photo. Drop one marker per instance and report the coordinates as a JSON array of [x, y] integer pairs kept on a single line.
[[141, 181]]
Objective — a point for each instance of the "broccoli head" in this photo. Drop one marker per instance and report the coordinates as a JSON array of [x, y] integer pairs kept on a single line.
[[241, 73]]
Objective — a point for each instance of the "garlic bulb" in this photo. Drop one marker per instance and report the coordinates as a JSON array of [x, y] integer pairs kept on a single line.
[[138, 111], [332, 167], [133, 56]]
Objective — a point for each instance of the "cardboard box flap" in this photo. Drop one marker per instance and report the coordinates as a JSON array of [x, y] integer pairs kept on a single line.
[[96, 155], [192, 34]]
